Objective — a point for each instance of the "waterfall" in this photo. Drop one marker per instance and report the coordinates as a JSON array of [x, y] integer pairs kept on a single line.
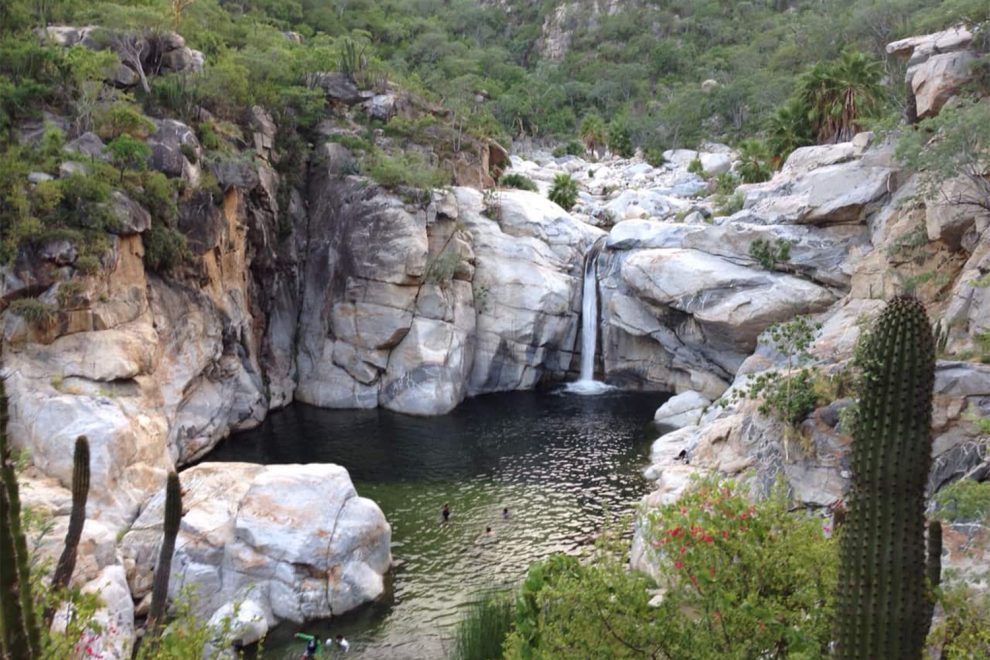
[[586, 383]]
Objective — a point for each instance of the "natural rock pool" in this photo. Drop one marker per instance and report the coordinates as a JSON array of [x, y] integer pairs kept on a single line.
[[558, 461]]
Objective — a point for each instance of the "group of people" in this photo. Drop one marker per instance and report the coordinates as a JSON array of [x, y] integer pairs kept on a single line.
[[489, 534], [313, 646]]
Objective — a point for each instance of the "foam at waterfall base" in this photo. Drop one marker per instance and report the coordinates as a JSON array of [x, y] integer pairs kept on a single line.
[[587, 387]]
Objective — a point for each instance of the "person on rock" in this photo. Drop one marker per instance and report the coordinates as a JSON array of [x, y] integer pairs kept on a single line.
[[311, 646], [343, 644], [445, 512]]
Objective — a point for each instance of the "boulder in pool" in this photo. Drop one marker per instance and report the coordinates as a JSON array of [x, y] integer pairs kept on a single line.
[[295, 539]]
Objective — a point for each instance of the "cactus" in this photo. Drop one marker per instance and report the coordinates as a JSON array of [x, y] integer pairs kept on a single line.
[[173, 515], [933, 567], [80, 493], [20, 636], [884, 605]]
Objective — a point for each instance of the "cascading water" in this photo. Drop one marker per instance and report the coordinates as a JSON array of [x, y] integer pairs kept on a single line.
[[587, 384]]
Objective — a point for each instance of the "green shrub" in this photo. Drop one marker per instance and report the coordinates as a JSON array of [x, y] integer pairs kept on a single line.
[[964, 501], [405, 169], [564, 191], [755, 162], [164, 248], [518, 181], [654, 156], [87, 264], [770, 253], [484, 627], [352, 142], [158, 195], [441, 269], [726, 183], [121, 118], [619, 139], [128, 153], [69, 292], [729, 204], [695, 167], [739, 580], [963, 631], [570, 148], [33, 311]]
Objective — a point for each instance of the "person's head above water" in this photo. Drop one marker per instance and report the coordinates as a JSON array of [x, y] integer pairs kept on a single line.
[[488, 530]]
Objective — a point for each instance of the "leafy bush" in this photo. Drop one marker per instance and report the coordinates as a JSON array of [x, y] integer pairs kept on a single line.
[[770, 253], [164, 248], [695, 167], [726, 183], [739, 580], [484, 627], [352, 142], [755, 161], [33, 311], [127, 153], [121, 118], [729, 204], [654, 156], [964, 501], [518, 181], [619, 139], [563, 191], [405, 169], [964, 629], [571, 148], [442, 267]]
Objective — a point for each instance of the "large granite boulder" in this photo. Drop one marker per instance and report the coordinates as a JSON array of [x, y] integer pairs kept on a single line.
[[295, 539]]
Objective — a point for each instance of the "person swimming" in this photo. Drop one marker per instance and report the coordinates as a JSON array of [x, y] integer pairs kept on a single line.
[[445, 512], [505, 513]]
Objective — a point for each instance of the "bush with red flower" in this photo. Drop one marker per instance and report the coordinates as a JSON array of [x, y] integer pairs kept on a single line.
[[737, 580]]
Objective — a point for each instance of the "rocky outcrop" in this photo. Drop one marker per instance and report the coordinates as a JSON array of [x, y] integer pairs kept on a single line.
[[938, 65], [296, 540], [427, 304]]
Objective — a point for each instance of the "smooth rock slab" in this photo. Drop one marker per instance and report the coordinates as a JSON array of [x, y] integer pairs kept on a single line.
[[685, 409], [296, 539]]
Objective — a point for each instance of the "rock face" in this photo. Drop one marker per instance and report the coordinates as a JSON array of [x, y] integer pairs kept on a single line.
[[424, 306], [294, 539], [938, 65]]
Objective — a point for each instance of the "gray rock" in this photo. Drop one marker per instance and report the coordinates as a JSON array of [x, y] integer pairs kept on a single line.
[[169, 145], [38, 177], [88, 144], [132, 218], [338, 88], [70, 168], [381, 106], [938, 79]]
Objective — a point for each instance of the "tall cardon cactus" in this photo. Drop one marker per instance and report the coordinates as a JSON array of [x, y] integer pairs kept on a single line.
[[173, 516], [20, 635], [884, 601], [77, 519]]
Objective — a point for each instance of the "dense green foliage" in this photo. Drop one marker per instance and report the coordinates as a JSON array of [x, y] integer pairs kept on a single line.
[[741, 580], [563, 191], [964, 501], [518, 181], [891, 457]]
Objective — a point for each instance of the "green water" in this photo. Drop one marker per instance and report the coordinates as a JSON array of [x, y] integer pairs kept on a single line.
[[556, 461]]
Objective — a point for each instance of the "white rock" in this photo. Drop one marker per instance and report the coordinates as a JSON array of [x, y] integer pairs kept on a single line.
[[244, 622], [684, 409], [296, 539]]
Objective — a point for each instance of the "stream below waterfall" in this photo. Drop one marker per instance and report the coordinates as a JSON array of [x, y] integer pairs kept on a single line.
[[558, 461]]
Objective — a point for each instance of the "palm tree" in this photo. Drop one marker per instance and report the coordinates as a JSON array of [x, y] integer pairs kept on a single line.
[[593, 133], [838, 96]]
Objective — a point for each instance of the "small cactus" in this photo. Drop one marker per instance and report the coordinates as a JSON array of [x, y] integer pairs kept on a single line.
[[933, 566]]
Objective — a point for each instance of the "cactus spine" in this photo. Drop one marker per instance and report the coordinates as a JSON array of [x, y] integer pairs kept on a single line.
[[77, 519], [173, 515], [20, 636], [884, 605]]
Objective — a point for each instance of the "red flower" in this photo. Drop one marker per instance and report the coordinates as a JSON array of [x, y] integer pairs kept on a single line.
[[707, 539], [678, 564], [675, 531], [683, 549], [725, 534]]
